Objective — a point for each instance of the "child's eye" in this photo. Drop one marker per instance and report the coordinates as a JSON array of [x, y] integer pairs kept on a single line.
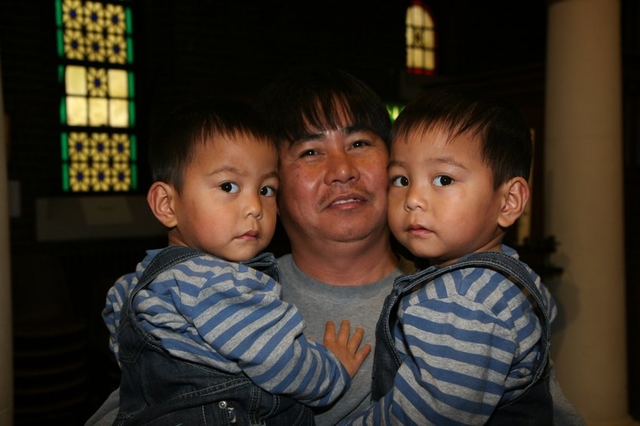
[[400, 181], [268, 191], [230, 187], [442, 180]]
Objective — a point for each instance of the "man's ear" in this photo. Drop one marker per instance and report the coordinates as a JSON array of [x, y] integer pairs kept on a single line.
[[160, 198], [516, 196]]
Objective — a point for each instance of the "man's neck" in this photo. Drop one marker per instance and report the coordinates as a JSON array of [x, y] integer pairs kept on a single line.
[[345, 264]]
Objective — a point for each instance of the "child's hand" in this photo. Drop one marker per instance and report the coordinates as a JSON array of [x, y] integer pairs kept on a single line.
[[346, 348]]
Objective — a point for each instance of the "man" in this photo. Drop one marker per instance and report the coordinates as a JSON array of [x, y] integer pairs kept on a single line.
[[333, 134]]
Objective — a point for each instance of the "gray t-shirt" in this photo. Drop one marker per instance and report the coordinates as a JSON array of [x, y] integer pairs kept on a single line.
[[361, 305]]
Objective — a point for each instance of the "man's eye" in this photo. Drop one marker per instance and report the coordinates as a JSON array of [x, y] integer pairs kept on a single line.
[[230, 187], [308, 152], [268, 191], [442, 180], [400, 181], [359, 144]]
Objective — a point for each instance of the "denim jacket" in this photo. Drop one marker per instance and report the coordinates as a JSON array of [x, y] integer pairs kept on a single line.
[[158, 389]]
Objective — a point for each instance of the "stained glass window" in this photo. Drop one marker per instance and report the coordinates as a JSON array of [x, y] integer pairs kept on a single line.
[[97, 107], [394, 110], [421, 40]]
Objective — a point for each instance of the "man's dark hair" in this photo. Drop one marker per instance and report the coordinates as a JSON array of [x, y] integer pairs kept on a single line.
[[171, 148], [506, 142], [306, 99]]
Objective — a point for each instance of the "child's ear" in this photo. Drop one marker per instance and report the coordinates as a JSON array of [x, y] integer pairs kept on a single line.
[[160, 198], [516, 196]]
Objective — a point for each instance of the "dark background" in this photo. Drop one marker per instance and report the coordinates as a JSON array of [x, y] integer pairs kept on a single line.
[[192, 48]]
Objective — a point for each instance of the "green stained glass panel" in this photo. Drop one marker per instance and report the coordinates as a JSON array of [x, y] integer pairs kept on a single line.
[[65, 177], [96, 51], [131, 85]]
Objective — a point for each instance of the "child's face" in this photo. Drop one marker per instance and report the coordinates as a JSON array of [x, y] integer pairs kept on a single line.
[[227, 205], [442, 204]]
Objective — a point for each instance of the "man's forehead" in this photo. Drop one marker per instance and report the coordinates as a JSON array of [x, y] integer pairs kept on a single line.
[[316, 133]]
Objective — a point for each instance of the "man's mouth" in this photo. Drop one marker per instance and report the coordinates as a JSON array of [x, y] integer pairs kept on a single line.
[[342, 199], [346, 201]]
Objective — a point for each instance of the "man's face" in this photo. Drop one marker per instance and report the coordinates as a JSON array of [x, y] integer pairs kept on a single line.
[[333, 186]]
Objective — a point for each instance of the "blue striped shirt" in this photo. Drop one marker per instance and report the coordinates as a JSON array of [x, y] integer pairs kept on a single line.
[[468, 341], [230, 317]]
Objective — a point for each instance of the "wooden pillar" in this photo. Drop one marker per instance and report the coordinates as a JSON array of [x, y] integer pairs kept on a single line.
[[584, 204]]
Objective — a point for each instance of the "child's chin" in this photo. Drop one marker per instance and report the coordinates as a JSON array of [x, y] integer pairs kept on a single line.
[[421, 252]]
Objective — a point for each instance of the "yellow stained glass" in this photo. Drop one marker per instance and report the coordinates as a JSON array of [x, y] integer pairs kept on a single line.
[[416, 15], [97, 82], [95, 47], [76, 111], [122, 177], [76, 80], [428, 41], [413, 58], [78, 147], [121, 148], [420, 39], [100, 176], [74, 44], [72, 14], [118, 83], [429, 59], [98, 113], [99, 147], [116, 49], [119, 113], [94, 16], [114, 19], [95, 33], [99, 162], [79, 176], [418, 58]]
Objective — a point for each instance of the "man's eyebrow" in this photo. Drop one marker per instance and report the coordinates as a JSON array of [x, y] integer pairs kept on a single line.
[[356, 128], [306, 137], [320, 134]]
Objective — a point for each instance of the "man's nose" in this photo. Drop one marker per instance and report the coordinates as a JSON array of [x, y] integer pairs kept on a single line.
[[341, 168]]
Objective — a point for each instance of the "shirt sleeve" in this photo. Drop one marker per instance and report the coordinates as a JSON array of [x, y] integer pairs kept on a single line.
[[461, 345], [235, 314], [116, 296]]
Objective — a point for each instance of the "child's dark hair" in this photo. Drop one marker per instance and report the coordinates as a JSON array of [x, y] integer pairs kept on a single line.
[[506, 142], [310, 98], [172, 145]]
